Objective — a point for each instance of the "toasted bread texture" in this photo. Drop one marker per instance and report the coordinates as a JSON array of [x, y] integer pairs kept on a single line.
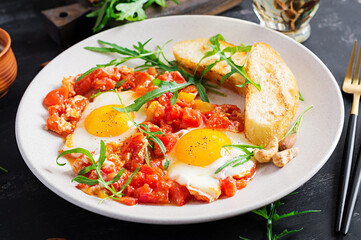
[[269, 112], [188, 53]]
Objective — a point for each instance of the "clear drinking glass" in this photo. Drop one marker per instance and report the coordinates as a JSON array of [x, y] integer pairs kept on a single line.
[[290, 17]]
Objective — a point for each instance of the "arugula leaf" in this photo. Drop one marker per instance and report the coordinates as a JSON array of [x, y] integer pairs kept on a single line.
[[173, 99], [97, 167], [241, 159], [3, 169], [114, 62], [131, 11], [271, 216], [300, 96], [147, 157], [164, 87], [216, 42], [120, 10], [286, 232], [296, 126]]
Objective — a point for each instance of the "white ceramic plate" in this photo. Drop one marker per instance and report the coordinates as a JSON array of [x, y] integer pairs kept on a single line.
[[320, 130]]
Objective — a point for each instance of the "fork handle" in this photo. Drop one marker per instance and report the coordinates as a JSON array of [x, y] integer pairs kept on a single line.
[[346, 168], [355, 185]]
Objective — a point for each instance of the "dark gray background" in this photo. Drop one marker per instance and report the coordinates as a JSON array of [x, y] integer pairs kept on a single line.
[[28, 210]]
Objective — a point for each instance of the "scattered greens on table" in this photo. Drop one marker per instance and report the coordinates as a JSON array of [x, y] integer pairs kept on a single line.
[[120, 10], [269, 213], [3, 169]]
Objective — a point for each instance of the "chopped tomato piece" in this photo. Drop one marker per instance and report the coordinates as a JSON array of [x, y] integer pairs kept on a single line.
[[179, 194], [55, 97], [168, 140], [172, 77], [133, 151], [82, 86], [241, 183], [219, 121], [130, 201], [191, 118], [228, 186]]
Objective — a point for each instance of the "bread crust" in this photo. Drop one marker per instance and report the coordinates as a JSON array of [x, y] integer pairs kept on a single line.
[[269, 112]]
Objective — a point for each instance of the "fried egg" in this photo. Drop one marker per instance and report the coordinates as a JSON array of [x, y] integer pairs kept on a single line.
[[100, 121], [197, 156]]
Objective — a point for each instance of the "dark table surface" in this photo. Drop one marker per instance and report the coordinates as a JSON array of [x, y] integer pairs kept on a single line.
[[28, 210]]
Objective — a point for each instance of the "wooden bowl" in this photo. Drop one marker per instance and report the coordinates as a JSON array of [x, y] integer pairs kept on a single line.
[[8, 66]]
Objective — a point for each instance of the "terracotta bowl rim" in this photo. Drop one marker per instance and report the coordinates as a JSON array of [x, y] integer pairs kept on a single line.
[[8, 42]]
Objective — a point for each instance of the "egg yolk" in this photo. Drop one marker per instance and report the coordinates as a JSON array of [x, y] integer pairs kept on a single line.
[[202, 147], [107, 122]]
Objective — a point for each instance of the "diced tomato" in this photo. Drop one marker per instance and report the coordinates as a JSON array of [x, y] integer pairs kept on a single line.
[[147, 195], [55, 97], [142, 78], [172, 77], [241, 183], [164, 99], [190, 89], [179, 194], [228, 186], [152, 71], [169, 141], [191, 118], [130, 201], [63, 117], [133, 151], [58, 125], [82, 86], [173, 112], [218, 121]]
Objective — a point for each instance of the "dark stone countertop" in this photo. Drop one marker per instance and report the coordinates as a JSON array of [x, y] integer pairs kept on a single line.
[[29, 210]]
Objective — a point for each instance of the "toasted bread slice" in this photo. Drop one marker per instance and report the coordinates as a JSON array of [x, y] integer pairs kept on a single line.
[[269, 112], [188, 53]]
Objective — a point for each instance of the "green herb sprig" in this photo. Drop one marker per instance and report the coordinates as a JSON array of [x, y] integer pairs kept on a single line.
[[300, 96], [151, 136], [272, 216], [3, 169], [127, 54], [241, 159], [296, 126], [151, 59], [120, 10], [164, 87], [216, 42], [97, 166]]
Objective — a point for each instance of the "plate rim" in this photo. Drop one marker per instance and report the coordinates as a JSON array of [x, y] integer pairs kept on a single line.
[[190, 220]]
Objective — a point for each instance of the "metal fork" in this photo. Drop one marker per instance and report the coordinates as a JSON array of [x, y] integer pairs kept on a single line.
[[352, 87]]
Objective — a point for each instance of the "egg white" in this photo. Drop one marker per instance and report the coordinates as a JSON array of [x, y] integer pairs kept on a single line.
[[81, 138]]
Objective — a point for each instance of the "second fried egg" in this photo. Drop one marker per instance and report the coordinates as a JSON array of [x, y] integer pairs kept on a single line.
[[197, 156]]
